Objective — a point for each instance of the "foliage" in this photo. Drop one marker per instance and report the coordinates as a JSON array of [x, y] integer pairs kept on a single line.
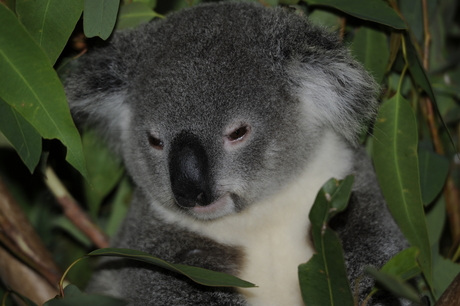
[[410, 47]]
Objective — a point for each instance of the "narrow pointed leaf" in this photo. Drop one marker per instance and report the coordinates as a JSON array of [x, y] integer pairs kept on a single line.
[[404, 264], [396, 163], [370, 48], [50, 22], [30, 85], [323, 279], [100, 17], [133, 14], [433, 173], [393, 284], [199, 275], [22, 136], [372, 10]]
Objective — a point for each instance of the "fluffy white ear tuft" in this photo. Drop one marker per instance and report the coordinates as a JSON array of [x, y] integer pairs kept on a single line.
[[340, 95]]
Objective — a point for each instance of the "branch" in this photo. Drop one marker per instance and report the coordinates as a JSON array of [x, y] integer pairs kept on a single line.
[[73, 211], [18, 235]]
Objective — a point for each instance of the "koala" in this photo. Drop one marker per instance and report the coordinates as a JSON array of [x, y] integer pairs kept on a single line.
[[229, 117]]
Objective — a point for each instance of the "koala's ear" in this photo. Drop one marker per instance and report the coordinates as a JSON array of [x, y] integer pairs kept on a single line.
[[337, 92], [97, 88]]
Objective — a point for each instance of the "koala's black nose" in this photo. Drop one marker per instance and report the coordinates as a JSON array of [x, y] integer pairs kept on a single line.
[[189, 171]]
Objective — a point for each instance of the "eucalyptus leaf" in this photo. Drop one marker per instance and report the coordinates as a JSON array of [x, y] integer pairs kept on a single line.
[[372, 10], [50, 22], [433, 173], [323, 279], [436, 219], [87, 299], [22, 136], [30, 85], [120, 206], [444, 273], [370, 48], [393, 284], [65, 224], [99, 17], [104, 170], [72, 290], [133, 14], [396, 164], [198, 275], [404, 264]]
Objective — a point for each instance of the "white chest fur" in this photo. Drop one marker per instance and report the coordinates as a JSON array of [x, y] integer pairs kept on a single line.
[[274, 233]]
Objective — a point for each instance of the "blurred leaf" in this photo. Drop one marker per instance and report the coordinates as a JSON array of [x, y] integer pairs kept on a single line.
[[396, 163], [50, 22], [150, 3], [66, 225], [323, 279], [444, 272], [413, 14], [99, 17], [433, 173], [370, 48], [30, 85], [324, 18], [87, 299], [120, 206], [133, 14], [372, 10], [198, 275], [104, 170], [22, 136], [435, 221], [72, 290], [404, 264], [393, 284]]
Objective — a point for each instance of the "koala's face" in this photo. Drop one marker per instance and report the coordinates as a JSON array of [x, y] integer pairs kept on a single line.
[[215, 139], [220, 106]]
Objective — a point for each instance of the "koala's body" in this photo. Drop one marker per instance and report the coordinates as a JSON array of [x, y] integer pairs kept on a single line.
[[229, 118]]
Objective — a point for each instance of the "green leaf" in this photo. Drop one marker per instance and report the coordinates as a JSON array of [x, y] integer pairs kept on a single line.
[[104, 170], [436, 219], [198, 275], [150, 3], [393, 284], [66, 225], [370, 48], [99, 17], [22, 136], [404, 264], [119, 207], [87, 299], [323, 279], [133, 14], [433, 173], [72, 290], [396, 164], [372, 10], [444, 273], [50, 22], [30, 85]]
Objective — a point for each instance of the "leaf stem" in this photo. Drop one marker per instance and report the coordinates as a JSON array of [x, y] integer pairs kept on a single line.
[[61, 282]]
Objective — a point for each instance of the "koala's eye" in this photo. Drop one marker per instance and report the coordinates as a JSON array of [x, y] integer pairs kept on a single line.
[[238, 134], [155, 142]]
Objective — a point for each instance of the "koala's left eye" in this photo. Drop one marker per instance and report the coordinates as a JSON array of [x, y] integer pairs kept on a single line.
[[156, 143], [238, 134]]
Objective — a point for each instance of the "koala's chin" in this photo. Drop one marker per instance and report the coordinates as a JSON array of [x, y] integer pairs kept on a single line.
[[221, 207]]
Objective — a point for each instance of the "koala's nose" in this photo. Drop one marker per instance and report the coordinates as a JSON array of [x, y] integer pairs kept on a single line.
[[189, 172]]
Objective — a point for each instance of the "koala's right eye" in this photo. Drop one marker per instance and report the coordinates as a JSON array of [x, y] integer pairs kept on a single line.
[[155, 142]]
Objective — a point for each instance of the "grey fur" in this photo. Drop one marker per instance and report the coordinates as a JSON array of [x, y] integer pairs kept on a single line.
[[204, 71]]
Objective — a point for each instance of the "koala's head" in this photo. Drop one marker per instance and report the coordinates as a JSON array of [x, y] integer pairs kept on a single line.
[[220, 105]]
